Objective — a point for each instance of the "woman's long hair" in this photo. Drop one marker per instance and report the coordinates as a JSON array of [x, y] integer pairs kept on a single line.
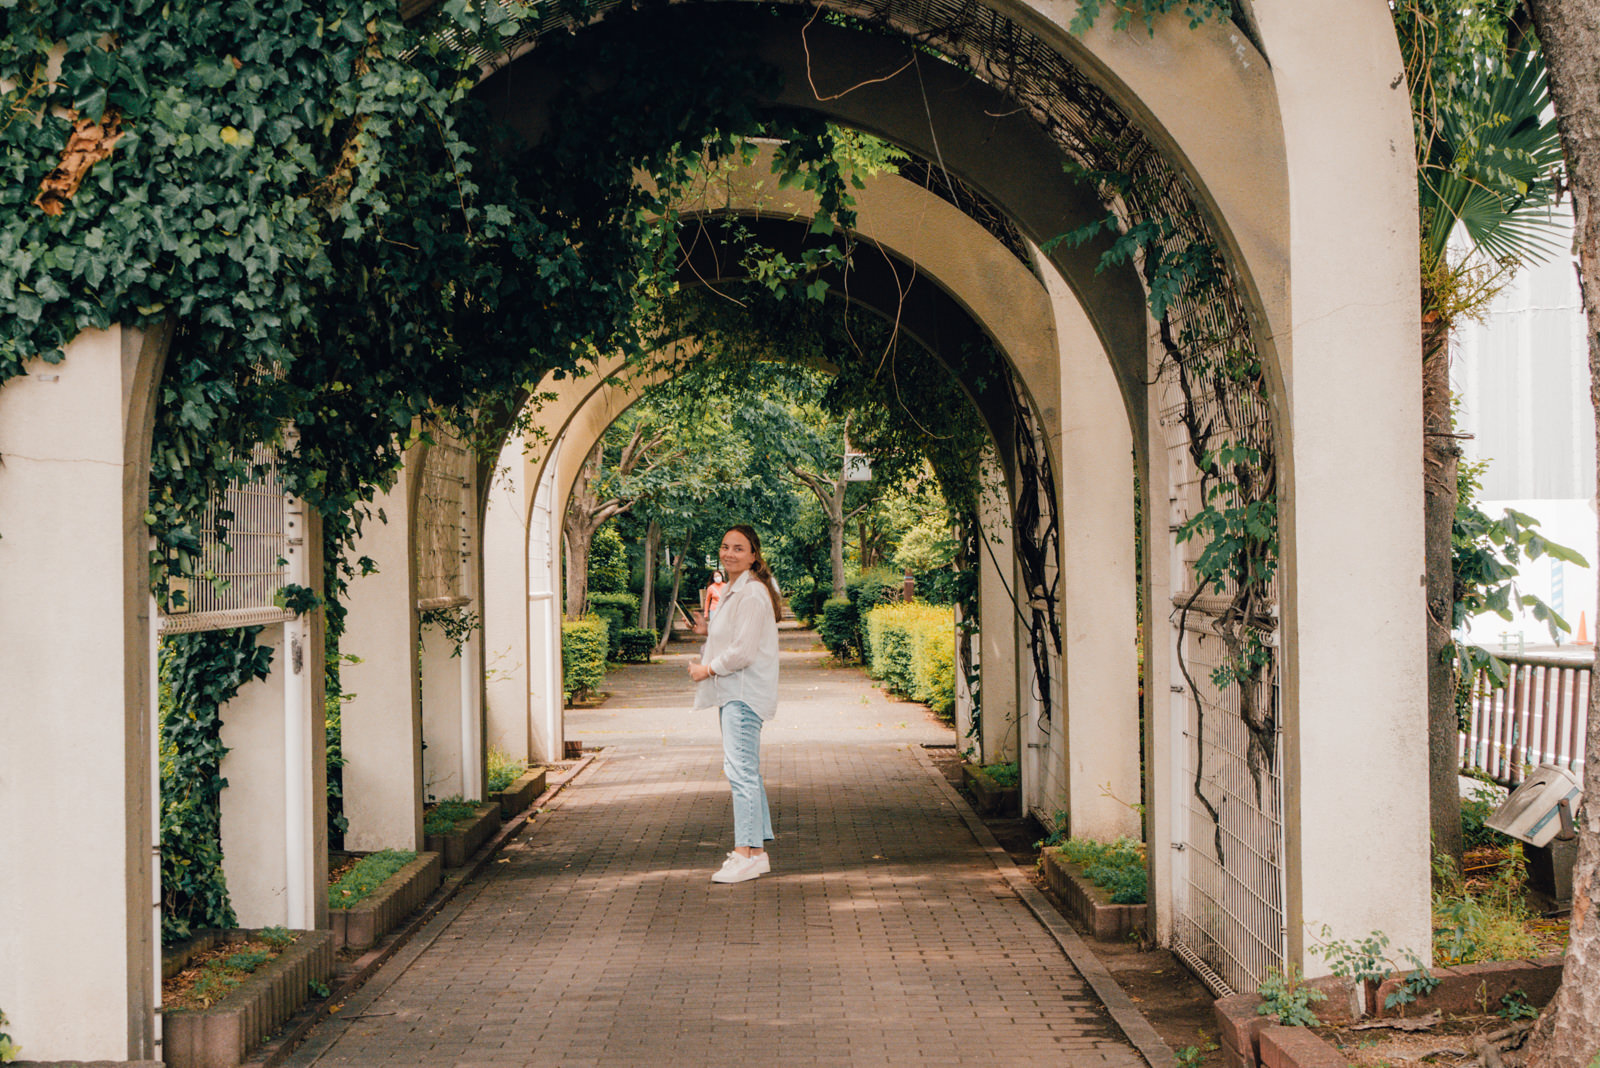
[[759, 568]]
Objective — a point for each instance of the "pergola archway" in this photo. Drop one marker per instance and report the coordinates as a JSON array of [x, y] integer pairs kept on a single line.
[[1282, 139]]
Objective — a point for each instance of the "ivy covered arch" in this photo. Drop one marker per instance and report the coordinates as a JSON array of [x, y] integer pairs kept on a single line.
[[1237, 108], [1169, 300]]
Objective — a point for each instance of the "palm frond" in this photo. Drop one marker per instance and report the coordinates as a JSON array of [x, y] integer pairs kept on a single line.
[[1491, 162]]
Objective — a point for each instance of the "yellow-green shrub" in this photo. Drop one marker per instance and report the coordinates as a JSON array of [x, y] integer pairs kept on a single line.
[[583, 654], [911, 648]]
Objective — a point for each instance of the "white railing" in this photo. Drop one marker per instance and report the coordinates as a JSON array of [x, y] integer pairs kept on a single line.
[[1538, 717]]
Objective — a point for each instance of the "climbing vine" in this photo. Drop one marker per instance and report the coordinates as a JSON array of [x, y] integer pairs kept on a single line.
[[1221, 385], [199, 674], [342, 235], [342, 241]]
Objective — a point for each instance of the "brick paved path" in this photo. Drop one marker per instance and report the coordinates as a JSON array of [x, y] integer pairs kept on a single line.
[[884, 936]]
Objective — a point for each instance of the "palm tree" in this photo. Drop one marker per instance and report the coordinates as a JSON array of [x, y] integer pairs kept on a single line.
[[1488, 174]]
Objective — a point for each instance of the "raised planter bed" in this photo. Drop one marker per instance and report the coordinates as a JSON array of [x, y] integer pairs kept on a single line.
[[362, 924], [1249, 1039], [176, 958], [1105, 920], [520, 794], [224, 1034], [988, 796], [454, 848]]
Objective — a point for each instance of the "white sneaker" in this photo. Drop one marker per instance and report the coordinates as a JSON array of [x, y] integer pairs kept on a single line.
[[737, 869], [763, 861]]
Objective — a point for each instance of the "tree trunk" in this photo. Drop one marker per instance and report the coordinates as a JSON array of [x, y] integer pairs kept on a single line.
[[586, 513], [677, 582], [1440, 458], [576, 537], [835, 511], [647, 596], [1568, 1032]]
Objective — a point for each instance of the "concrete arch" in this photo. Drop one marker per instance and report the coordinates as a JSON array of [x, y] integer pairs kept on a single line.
[[1041, 334], [1259, 158]]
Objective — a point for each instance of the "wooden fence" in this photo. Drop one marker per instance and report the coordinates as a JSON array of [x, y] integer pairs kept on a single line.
[[1538, 717]]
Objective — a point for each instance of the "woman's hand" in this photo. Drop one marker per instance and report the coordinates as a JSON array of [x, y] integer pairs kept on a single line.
[[699, 672]]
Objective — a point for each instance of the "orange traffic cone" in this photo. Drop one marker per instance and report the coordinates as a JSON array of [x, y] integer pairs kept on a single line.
[[1583, 629]]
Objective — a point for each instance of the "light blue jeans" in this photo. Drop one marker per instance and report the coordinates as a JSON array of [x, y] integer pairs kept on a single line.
[[741, 762]]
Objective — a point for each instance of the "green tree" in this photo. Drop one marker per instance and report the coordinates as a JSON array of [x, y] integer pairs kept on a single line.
[[1567, 1034], [1487, 174]]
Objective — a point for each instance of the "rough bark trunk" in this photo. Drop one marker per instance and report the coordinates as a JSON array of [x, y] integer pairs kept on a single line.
[[677, 582], [647, 596], [586, 513], [576, 537], [1568, 1032], [1440, 458], [835, 512]]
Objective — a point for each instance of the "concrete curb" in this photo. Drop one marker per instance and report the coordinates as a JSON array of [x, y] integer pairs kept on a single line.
[[1134, 1026], [364, 985]]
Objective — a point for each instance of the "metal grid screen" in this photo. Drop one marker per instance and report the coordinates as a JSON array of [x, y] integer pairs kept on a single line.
[[237, 577], [442, 525], [1231, 915], [1229, 881]]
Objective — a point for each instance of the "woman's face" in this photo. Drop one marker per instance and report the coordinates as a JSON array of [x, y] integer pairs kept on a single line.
[[735, 554]]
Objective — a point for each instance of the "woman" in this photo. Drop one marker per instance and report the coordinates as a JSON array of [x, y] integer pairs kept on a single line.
[[711, 596], [738, 674]]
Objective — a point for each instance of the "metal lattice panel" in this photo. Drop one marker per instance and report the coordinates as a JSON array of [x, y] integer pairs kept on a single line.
[[237, 577], [442, 527], [1233, 914]]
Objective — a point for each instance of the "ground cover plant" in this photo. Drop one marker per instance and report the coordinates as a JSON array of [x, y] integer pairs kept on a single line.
[[445, 815], [359, 881], [1118, 867], [1006, 774], [212, 974], [503, 769]]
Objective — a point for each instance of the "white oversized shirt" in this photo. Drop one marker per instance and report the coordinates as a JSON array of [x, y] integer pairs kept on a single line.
[[742, 650]]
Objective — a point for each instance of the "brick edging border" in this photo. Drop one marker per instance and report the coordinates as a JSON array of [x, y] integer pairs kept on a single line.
[[1105, 920], [438, 913], [1124, 1013], [1249, 1038]]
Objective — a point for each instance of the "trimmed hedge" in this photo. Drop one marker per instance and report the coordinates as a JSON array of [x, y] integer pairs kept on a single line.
[[636, 643], [619, 610], [911, 648], [583, 654], [807, 598], [838, 628]]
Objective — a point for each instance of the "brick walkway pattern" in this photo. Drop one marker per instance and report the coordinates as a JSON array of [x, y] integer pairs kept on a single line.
[[884, 936]]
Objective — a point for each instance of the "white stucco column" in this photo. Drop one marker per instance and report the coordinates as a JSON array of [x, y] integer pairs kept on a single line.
[[1354, 687], [442, 713], [997, 634], [544, 617], [1099, 596], [506, 607], [76, 931], [277, 867], [382, 720], [963, 706], [472, 727]]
